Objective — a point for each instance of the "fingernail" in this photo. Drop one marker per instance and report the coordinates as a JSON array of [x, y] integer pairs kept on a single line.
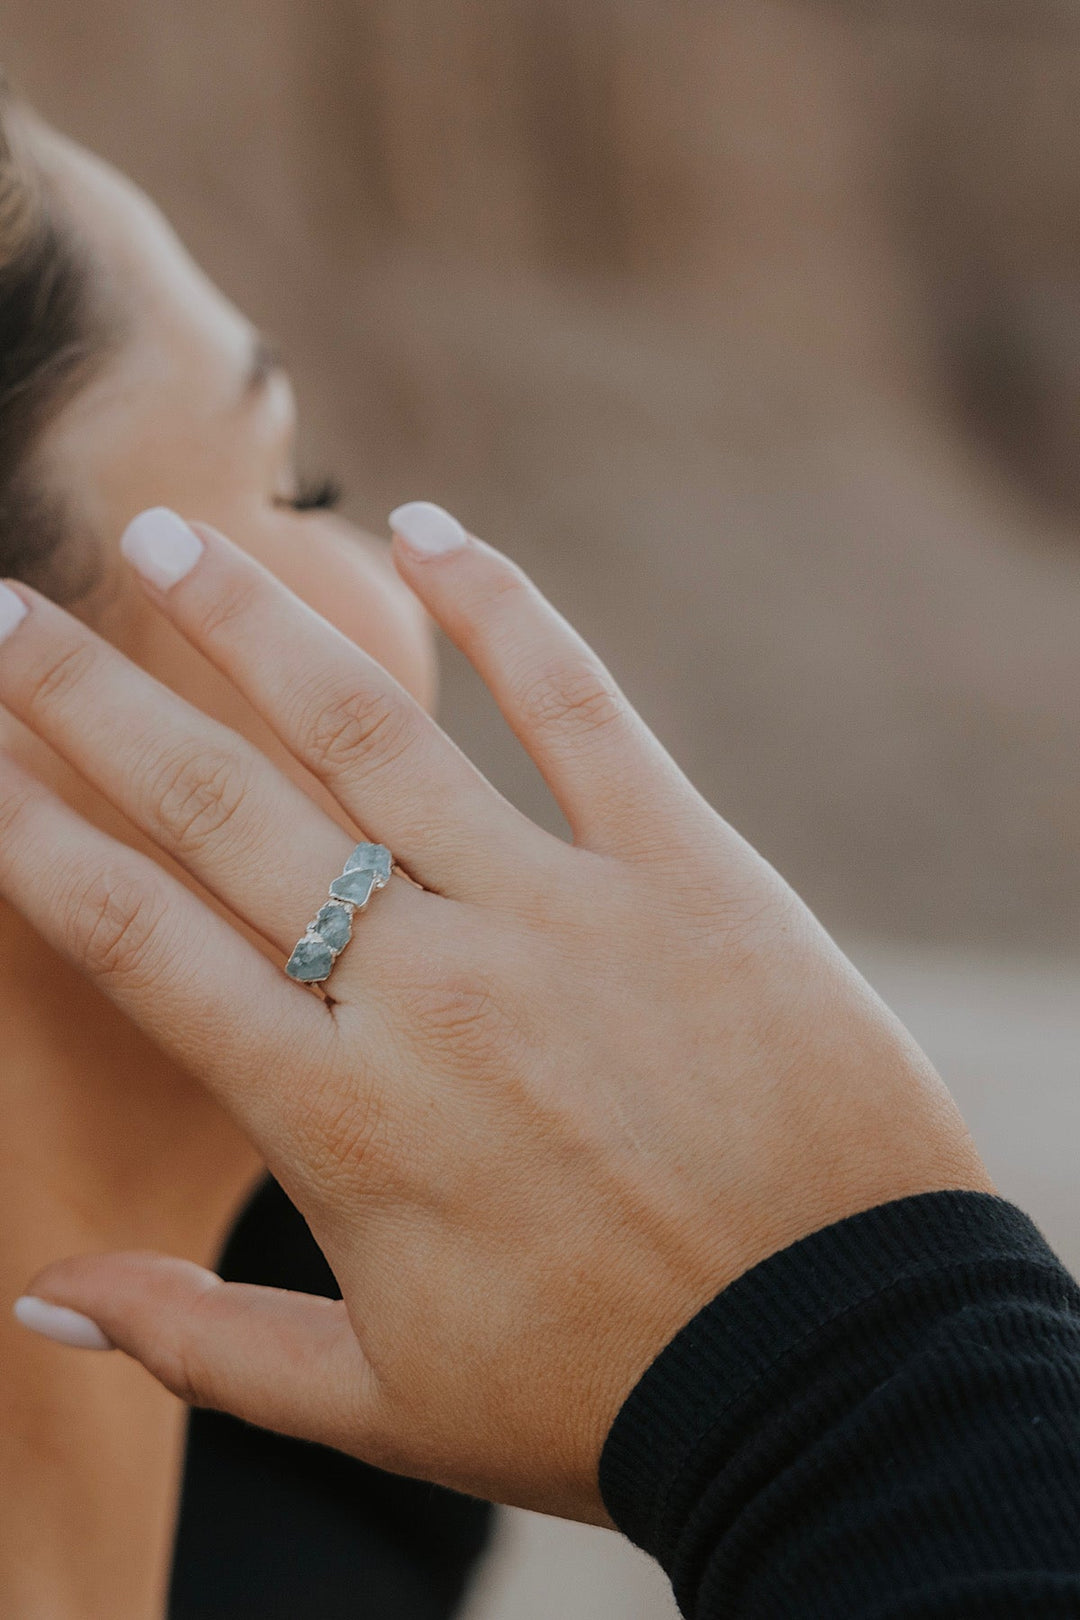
[[58, 1323], [12, 611], [161, 547], [427, 529]]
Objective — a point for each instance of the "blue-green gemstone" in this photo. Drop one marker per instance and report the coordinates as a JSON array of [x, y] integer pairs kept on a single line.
[[374, 858], [355, 887], [311, 962], [334, 925]]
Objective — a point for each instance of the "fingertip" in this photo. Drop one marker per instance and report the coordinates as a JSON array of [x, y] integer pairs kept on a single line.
[[423, 530], [60, 1324], [13, 610], [161, 547]]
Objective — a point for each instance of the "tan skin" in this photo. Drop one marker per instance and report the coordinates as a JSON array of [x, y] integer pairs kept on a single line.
[[562, 1095], [106, 1140]]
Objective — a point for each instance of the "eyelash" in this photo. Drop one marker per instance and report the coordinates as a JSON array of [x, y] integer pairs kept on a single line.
[[316, 495]]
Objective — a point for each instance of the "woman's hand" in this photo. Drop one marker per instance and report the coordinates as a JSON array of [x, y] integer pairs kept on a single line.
[[559, 1096]]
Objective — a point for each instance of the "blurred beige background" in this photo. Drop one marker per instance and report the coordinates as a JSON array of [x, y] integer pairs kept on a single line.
[[753, 330]]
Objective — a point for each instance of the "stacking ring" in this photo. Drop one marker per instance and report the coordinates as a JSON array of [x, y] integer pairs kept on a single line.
[[368, 868]]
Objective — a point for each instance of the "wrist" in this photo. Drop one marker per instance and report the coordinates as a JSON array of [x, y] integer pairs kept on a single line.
[[820, 1303]]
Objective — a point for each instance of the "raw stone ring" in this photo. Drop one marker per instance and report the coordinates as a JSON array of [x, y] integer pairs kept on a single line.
[[368, 868]]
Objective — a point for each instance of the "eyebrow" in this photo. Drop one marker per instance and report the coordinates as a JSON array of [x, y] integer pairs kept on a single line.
[[266, 360]]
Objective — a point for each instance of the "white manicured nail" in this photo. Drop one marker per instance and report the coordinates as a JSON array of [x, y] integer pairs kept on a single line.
[[58, 1323], [12, 611], [427, 529], [161, 547]]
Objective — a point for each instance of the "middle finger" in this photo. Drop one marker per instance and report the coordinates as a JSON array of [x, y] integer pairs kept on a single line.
[[342, 716]]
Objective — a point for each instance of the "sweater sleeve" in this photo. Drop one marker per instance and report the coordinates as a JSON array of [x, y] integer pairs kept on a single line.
[[881, 1422]]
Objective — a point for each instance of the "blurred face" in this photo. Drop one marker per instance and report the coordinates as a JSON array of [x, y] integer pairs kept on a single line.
[[193, 410]]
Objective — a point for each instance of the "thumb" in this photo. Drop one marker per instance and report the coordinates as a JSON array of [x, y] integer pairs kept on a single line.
[[284, 1361]]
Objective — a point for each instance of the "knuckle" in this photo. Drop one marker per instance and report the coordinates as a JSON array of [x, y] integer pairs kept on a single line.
[[111, 924], [17, 804], [233, 600], [187, 1369], [506, 588], [352, 1136], [496, 605], [357, 728], [61, 676], [573, 694], [184, 1374], [342, 1137], [462, 1016], [728, 930], [196, 793]]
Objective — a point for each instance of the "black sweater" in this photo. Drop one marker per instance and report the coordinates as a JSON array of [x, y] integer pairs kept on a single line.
[[881, 1422]]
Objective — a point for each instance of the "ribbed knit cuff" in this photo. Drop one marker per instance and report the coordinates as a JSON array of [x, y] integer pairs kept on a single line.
[[806, 1300]]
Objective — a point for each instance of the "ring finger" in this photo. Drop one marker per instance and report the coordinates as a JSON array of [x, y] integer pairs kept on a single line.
[[203, 794]]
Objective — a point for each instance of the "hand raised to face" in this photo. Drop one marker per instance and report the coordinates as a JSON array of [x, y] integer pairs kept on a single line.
[[557, 1095]]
